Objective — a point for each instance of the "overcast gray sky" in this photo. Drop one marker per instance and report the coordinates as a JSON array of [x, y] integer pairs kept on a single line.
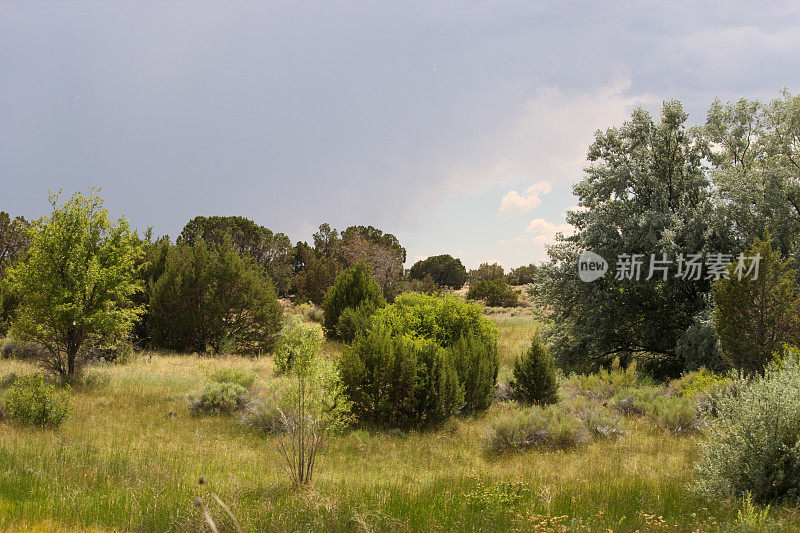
[[459, 127]]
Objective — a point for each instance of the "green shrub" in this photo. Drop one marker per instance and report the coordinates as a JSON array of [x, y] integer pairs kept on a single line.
[[351, 321], [33, 402], [353, 288], [535, 378], [240, 376], [210, 297], [477, 365], [298, 341], [753, 442], [423, 359], [216, 397], [400, 381], [494, 293]]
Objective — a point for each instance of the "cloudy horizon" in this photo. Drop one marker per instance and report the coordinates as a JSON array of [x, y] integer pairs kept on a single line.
[[460, 129]]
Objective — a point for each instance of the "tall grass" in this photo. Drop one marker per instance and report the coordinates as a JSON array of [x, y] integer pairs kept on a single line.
[[130, 455]]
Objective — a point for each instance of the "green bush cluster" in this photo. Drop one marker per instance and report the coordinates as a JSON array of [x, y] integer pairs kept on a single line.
[[493, 292], [753, 444], [32, 401], [444, 270], [422, 359]]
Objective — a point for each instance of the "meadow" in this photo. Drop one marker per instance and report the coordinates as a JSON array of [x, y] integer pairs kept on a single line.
[[131, 453]]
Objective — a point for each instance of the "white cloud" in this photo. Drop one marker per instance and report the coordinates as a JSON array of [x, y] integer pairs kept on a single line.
[[514, 203], [545, 232]]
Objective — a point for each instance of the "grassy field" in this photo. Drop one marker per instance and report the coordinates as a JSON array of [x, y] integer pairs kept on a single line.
[[130, 455]]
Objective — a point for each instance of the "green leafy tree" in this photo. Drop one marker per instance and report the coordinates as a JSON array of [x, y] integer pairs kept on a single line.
[[210, 297], [756, 168], [445, 270], [645, 192], [535, 379], [353, 288], [75, 282], [754, 318]]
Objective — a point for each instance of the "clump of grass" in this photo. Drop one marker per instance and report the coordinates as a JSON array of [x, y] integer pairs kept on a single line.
[[33, 402], [499, 496], [635, 401], [538, 427], [602, 385], [225, 397], [676, 414], [240, 376]]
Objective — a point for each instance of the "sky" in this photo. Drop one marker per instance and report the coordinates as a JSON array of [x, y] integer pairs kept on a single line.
[[460, 127]]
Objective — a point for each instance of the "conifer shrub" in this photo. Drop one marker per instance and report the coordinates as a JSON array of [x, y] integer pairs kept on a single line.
[[535, 379], [420, 361], [353, 288]]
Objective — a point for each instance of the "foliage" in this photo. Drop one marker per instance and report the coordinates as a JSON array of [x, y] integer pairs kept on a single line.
[[400, 381], [645, 192], [313, 406], [212, 297], [150, 268], [14, 240], [535, 378], [425, 285], [603, 384], [443, 319], [33, 402], [376, 237], [298, 342], [318, 275], [522, 275], [384, 263], [477, 366], [495, 293], [445, 270], [753, 441], [219, 397], [755, 317], [352, 321], [75, 282], [354, 287], [240, 376], [486, 272], [423, 359], [699, 347], [271, 251]]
